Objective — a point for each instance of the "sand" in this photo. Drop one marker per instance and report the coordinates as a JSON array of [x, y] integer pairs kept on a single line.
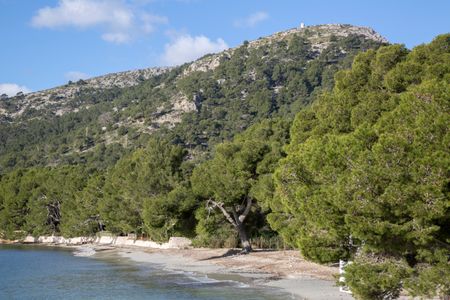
[[279, 269]]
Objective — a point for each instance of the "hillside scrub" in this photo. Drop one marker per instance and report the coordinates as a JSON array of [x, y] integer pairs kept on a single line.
[[361, 174], [198, 108]]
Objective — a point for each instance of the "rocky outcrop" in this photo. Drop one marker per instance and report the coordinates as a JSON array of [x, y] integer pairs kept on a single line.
[[180, 105], [57, 98], [320, 37], [207, 63]]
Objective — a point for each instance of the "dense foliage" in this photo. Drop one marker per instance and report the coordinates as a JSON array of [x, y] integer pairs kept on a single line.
[[366, 177], [361, 174], [32, 200], [238, 179], [133, 173], [98, 127], [146, 191]]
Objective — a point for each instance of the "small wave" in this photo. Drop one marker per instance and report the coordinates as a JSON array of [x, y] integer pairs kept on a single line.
[[205, 280], [84, 251], [173, 271]]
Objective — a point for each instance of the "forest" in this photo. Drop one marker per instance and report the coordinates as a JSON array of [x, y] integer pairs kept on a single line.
[[349, 161]]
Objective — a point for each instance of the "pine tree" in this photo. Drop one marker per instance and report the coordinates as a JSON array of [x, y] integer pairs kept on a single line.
[[233, 180], [366, 175]]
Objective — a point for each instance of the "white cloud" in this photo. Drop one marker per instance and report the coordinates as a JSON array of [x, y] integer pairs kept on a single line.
[[252, 20], [11, 89], [84, 13], [149, 22], [119, 21], [75, 75], [188, 48], [116, 37]]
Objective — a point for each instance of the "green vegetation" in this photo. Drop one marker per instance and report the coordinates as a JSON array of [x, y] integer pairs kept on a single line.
[[32, 200], [238, 177], [361, 173], [100, 126], [146, 192], [366, 176]]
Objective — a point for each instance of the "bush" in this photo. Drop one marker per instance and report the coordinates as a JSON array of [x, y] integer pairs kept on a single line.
[[376, 277]]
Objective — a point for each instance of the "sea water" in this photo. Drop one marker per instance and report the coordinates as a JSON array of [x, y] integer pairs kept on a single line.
[[33, 272]]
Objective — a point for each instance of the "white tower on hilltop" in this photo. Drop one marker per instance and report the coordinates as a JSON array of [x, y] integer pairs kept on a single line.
[[302, 25]]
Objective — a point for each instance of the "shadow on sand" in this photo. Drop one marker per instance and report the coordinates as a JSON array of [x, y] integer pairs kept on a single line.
[[236, 252]]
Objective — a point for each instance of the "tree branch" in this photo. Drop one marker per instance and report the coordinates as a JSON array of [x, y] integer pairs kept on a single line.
[[219, 205], [246, 211], [236, 218]]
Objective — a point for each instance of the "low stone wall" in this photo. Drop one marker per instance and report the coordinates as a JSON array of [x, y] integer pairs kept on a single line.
[[118, 241], [179, 242], [57, 240]]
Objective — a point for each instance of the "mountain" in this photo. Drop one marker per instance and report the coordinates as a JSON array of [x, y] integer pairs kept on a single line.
[[58, 99], [197, 105], [359, 174]]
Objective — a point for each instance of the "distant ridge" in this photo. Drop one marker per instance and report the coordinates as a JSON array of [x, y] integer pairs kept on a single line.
[[318, 35], [199, 103]]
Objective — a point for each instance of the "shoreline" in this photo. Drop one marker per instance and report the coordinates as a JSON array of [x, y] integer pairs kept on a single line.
[[283, 270], [266, 269]]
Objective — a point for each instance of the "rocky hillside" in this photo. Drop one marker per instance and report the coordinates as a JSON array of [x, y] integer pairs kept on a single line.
[[57, 98], [197, 105], [320, 37]]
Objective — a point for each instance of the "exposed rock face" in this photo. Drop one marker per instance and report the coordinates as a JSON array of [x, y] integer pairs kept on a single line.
[[318, 35], [180, 105], [168, 115], [207, 63], [58, 97], [162, 103]]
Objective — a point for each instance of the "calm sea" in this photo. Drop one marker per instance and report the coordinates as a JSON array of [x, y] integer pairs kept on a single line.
[[28, 272]]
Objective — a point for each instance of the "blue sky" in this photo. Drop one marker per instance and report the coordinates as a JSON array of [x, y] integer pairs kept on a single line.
[[45, 43]]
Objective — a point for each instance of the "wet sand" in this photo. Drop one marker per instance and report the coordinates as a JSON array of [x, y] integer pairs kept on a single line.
[[285, 270]]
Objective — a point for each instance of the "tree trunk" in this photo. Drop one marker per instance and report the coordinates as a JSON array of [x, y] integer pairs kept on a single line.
[[237, 221], [246, 246]]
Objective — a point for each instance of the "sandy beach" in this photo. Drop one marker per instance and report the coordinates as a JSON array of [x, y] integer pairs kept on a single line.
[[285, 270]]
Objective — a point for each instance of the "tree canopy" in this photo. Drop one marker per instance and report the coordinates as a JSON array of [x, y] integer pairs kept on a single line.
[[239, 172], [366, 177], [361, 174]]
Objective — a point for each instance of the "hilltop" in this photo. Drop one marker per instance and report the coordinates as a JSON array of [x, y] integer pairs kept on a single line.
[[198, 104], [319, 36], [299, 140]]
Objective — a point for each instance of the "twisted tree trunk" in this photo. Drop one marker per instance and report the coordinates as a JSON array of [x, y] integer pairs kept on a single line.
[[245, 242], [236, 219]]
